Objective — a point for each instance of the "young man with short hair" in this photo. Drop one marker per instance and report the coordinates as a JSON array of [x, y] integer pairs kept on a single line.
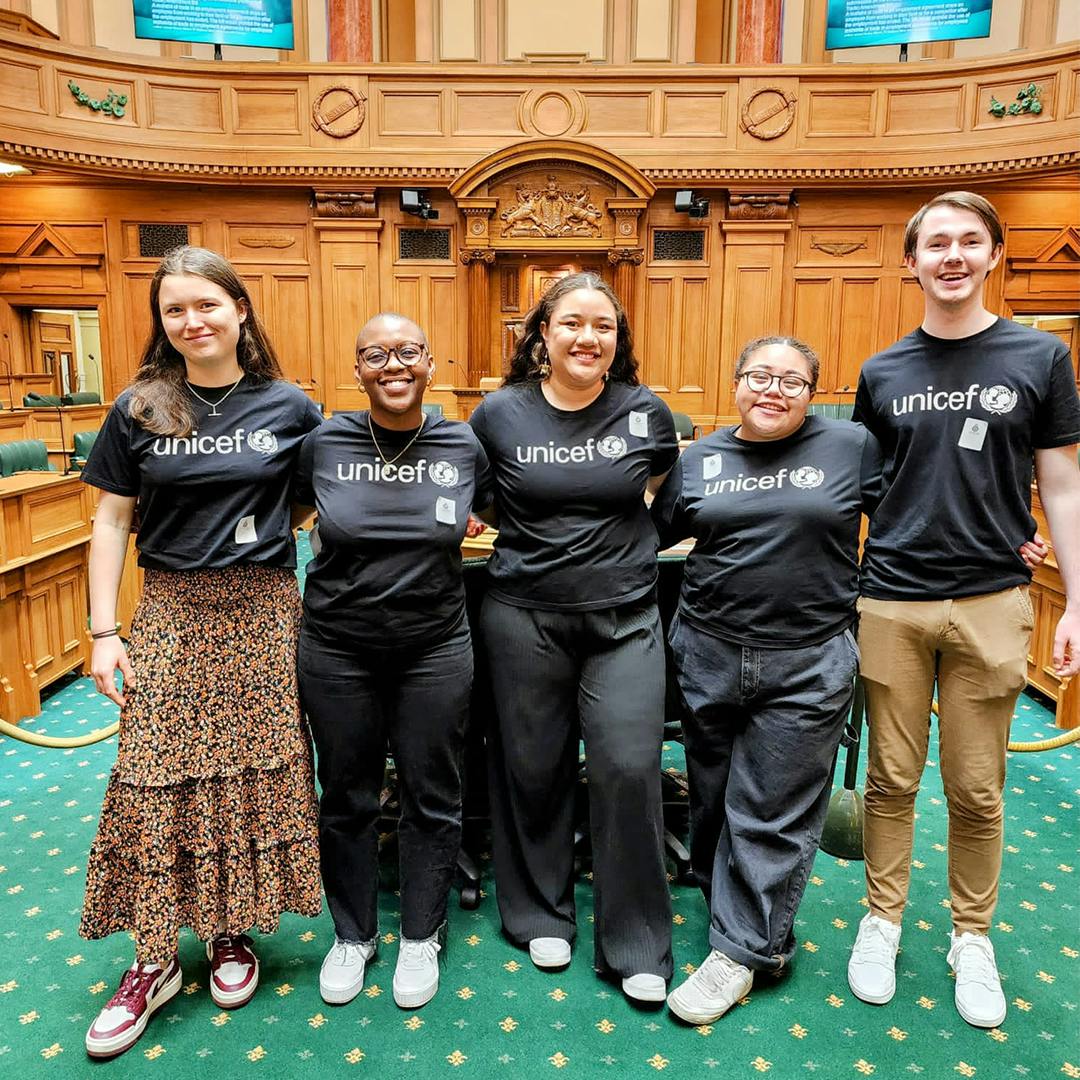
[[961, 407]]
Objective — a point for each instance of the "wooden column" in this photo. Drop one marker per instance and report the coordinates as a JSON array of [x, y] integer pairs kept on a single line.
[[479, 261], [625, 260], [759, 33], [348, 31]]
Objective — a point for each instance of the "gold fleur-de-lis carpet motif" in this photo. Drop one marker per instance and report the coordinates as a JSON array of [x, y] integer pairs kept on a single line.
[[495, 1014]]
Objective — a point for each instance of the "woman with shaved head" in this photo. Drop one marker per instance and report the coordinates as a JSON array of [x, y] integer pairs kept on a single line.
[[385, 653]]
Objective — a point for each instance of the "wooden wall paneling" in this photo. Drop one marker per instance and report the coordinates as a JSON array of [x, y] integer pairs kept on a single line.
[[859, 330], [929, 110], [350, 293], [268, 108], [292, 319], [24, 86], [812, 314], [752, 289], [661, 317]]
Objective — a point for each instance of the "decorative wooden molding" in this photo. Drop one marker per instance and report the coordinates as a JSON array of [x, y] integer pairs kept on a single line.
[[1060, 253], [477, 255], [349, 204], [636, 256], [552, 211], [45, 247], [758, 205], [274, 240], [837, 248]]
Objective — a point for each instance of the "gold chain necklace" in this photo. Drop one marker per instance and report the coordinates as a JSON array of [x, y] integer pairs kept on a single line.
[[214, 404], [378, 448]]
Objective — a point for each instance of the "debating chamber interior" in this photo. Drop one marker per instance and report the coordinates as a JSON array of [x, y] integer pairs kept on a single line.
[[728, 174]]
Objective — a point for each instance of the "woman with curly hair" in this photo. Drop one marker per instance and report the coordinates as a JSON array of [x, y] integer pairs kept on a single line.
[[209, 819], [571, 626]]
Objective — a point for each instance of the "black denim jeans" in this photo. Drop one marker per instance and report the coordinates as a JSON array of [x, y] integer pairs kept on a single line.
[[360, 701], [762, 727]]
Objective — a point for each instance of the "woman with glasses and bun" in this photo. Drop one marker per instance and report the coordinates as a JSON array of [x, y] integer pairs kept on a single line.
[[764, 653], [209, 819], [385, 654], [573, 636]]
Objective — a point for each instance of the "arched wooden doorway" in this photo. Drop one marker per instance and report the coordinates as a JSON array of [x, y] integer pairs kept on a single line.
[[535, 212]]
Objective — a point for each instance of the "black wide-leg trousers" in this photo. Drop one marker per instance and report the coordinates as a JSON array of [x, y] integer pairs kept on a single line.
[[559, 677], [359, 701]]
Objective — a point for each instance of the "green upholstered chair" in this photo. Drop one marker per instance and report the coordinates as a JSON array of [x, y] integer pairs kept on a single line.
[[685, 428], [833, 410], [23, 455], [83, 444], [435, 409], [81, 397], [34, 400]]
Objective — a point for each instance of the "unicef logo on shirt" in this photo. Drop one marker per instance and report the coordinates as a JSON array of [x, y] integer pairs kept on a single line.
[[807, 477], [444, 473], [997, 399], [612, 447], [265, 442]]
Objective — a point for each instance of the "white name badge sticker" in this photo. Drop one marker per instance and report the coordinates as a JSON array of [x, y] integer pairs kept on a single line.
[[974, 434], [639, 424], [245, 530], [710, 466], [445, 511]]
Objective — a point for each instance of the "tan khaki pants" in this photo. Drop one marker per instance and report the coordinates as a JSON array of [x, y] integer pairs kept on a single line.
[[976, 648]]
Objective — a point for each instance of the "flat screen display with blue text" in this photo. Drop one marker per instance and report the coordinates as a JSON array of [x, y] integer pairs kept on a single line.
[[855, 23], [265, 24]]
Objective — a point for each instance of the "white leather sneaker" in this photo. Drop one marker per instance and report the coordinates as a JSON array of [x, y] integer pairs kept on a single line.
[[711, 990], [979, 998], [644, 987], [871, 971], [549, 952], [342, 975], [416, 977]]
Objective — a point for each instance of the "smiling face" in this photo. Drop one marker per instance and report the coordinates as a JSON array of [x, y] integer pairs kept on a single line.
[[396, 391], [202, 322], [580, 338], [769, 414], [953, 255]]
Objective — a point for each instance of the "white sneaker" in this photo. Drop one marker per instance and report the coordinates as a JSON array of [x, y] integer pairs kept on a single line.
[[711, 990], [549, 952], [644, 987], [979, 998], [342, 975], [416, 977], [871, 971]]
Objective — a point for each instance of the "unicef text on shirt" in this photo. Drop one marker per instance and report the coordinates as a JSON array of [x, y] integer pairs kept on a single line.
[[611, 447], [443, 473], [263, 441], [806, 477], [994, 399]]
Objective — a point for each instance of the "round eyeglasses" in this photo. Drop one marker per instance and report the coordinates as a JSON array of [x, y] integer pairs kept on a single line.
[[407, 354], [759, 380]]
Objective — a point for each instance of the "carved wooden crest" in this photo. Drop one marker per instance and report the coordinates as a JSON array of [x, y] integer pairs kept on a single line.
[[768, 112], [339, 103], [551, 211]]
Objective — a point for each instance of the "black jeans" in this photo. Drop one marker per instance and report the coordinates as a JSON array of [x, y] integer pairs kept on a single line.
[[559, 677], [359, 700], [761, 727]]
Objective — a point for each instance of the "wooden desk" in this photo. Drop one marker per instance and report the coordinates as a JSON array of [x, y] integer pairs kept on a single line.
[[1048, 600], [55, 426], [44, 546]]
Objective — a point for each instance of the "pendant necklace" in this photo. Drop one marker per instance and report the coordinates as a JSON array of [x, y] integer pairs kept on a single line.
[[214, 404], [378, 448]]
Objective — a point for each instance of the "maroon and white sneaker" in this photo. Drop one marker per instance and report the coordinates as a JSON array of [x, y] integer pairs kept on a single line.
[[234, 970], [143, 990]]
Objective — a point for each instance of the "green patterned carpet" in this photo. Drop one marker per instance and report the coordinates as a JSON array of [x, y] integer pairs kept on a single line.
[[495, 1014]]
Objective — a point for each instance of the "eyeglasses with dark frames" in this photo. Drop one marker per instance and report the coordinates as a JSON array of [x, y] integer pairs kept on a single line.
[[759, 380], [408, 353]]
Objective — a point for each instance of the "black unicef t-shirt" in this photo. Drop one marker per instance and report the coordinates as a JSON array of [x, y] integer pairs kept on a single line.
[[389, 570], [219, 496], [574, 532], [776, 524], [958, 421]]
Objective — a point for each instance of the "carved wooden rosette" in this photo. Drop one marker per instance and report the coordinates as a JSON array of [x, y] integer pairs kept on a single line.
[[346, 204]]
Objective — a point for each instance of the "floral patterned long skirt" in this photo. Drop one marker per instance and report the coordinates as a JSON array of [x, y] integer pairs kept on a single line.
[[210, 815]]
